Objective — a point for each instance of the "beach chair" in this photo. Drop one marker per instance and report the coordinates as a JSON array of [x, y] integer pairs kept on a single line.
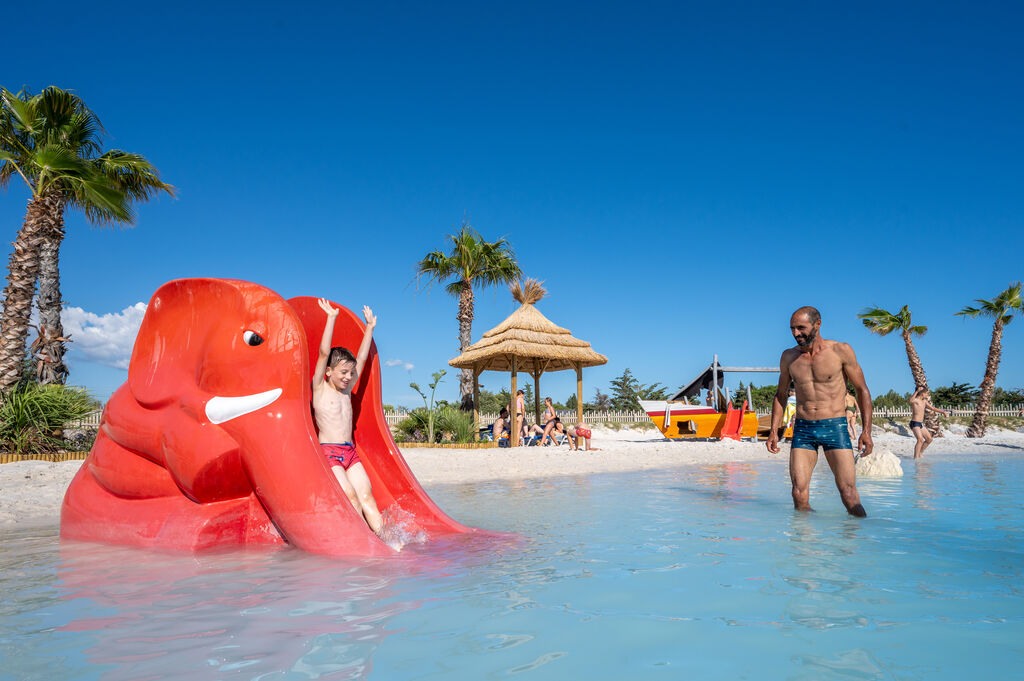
[[534, 440]]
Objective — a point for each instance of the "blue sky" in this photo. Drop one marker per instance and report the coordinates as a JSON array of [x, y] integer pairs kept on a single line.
[[681, 175]]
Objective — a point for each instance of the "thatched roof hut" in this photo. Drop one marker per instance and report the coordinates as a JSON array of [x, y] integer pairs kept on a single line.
[[528, 341]]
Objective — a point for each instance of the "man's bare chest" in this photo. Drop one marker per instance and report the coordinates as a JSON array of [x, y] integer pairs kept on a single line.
[[824, 367]]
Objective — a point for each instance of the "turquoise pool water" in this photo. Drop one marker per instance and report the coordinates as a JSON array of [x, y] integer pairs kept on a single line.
[[703, 573]]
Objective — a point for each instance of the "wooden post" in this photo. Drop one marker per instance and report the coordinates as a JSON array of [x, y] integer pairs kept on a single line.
[[476, 403], [579, 394], [514, 438], [536, 396]]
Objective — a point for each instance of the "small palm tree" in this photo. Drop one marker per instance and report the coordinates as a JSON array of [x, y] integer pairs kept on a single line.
[[471, 262], [1000, 309], [883, 322], [52, 141]]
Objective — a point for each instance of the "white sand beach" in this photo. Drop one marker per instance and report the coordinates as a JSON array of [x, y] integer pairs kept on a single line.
[[31, 491]]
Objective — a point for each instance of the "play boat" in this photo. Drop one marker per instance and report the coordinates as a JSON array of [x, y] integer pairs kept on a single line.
[[677, 417]]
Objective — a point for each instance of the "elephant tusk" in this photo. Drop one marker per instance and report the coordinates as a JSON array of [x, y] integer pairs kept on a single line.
[[220, 409]]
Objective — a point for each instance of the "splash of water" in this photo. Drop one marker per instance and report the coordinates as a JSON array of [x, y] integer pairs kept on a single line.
[[400, 528]]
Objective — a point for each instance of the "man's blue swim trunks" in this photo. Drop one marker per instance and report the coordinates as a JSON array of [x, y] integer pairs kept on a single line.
[[825, 433]]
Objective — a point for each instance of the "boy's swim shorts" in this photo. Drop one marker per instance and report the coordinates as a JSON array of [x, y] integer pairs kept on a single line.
[[340, 454]]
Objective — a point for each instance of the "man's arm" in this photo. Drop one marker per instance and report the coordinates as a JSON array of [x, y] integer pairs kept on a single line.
[[931, 407], [855, 375], [364, 347], [779, 404], [325, 342]]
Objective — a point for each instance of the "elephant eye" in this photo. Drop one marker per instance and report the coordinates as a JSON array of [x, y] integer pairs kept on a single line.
[[252, 338]]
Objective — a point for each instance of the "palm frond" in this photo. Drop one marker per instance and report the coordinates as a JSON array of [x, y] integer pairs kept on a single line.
[[968, 312], [879, 321], [101, 202], [58, 159], [131, 173], [23, 110], [455, 288]]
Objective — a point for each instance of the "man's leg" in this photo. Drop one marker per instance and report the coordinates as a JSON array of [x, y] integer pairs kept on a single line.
[[361, 482], [845, 472], [928, 438], [801, 465], [919, 445]]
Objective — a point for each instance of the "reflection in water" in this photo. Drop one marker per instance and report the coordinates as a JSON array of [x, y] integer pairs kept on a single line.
[[162, 616], [819, 568]]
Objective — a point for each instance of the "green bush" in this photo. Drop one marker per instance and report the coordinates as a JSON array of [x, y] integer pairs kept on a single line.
[[413, 428], [32, 416], [450, 425], [454, 424]]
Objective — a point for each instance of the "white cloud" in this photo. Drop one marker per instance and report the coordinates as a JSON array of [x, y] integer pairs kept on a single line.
[[408, 366], [104, 339]]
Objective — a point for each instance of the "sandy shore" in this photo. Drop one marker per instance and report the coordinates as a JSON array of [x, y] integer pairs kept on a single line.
[[31, 492]]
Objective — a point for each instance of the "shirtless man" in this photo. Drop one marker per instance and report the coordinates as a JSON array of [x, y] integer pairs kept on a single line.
[[820, 368], [920, 402]]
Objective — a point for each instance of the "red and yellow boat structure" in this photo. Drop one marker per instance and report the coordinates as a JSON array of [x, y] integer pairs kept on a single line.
[[683, 420], [678, 418]]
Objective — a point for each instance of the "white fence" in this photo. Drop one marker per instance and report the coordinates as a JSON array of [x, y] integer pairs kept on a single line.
[[569, 416], [91, 420]]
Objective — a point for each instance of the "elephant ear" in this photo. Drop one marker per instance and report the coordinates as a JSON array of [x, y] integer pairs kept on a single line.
[[170, 347]]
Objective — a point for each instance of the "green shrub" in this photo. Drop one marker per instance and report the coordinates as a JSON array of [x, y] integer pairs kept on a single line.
[[32, 416], [413, 428], [454, 424], [450, 424]]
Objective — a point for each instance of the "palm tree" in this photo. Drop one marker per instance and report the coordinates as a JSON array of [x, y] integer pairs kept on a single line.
[[883, 322], [52, 141], [471, 262], [1000, 309]]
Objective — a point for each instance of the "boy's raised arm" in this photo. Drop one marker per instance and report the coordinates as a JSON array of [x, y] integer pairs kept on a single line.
[[364, 347], [325, 342]]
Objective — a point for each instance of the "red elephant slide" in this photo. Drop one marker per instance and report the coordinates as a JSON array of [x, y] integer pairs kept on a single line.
[[211, 442]]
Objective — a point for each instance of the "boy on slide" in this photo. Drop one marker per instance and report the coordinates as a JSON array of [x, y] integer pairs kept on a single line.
[[336, 373]]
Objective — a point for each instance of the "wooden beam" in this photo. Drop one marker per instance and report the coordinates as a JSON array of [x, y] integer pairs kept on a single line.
[[476, 403], [536, 394], [514, 438], [579, 393]]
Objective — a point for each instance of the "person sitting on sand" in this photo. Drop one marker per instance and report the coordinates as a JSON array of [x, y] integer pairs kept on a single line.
[[336, 373], [501, 428], [920, 402], [576, 432]]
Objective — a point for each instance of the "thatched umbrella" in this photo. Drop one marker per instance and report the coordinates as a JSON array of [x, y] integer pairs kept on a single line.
[[528, 341]]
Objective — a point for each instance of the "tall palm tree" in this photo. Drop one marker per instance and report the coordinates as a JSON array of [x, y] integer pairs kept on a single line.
[[1001, 310], [883, 322], [471, 262], [52, 141]]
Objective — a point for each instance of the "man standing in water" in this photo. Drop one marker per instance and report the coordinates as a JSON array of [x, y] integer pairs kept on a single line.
[[820, 368], [920, 402]]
